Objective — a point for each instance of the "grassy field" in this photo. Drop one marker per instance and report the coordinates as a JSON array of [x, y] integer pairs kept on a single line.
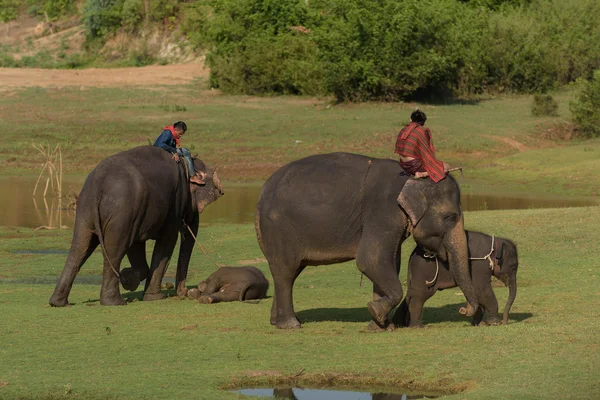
[[182, 349], [497, 140]]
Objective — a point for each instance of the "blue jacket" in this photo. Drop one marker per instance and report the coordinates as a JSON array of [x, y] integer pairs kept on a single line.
[[166, 141]]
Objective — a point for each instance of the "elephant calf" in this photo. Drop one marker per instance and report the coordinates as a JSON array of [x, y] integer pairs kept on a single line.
[[488, 256], [231, 284]]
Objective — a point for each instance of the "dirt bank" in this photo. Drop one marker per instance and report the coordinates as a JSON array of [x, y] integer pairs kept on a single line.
[[12, 78]]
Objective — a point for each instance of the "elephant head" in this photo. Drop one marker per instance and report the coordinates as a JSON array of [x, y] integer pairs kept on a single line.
[[507, 263], [437, 224], [203, 195]]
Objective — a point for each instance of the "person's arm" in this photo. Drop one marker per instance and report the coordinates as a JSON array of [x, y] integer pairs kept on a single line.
[[164, 140], [436, 169]]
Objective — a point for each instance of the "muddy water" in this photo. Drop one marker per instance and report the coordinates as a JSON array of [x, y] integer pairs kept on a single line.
[[19, 208], [319, 394]]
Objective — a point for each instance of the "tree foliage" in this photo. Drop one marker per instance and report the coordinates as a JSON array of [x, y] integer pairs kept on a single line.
[[586, 109]]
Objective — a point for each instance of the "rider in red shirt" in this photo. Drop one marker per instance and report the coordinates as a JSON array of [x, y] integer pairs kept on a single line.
[[416, 151]]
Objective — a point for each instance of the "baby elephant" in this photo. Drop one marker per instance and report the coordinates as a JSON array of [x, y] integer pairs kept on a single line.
[[231, 284], [488, 256]]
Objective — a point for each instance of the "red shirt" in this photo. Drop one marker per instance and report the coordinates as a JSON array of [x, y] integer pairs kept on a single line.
[[414, 140]]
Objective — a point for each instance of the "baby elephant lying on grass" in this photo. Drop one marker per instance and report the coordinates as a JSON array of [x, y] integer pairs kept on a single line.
[[231, 284], [488, 256]]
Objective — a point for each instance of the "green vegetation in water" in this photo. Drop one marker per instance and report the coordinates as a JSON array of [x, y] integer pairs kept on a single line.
[[546, 350]]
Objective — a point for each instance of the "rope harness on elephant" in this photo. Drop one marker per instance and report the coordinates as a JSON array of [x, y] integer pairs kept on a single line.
[[199, 245], [431, 254]]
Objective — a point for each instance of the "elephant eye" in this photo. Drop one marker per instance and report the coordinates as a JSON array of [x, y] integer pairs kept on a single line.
[[451, 218]]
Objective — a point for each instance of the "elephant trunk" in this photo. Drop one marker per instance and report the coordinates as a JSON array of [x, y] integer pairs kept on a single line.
[[458, 260], [512, 293]]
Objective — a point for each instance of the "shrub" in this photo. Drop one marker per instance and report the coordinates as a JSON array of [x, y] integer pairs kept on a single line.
[[586, 109], [9, 9], [544, 105], [132, 15], [102, 16]]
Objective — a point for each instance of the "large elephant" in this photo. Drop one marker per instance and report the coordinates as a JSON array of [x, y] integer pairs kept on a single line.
[[487, 256], [129, 198], [331, 208]]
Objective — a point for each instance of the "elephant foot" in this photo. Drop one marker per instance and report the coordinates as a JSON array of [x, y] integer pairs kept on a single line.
[[193, 294], [58, 302], [468, 311], [130, 279], [290, 322], [374, 327], [154, 296], [205, 299], [112, 301], [273, 320], [379, 311], [416, 326], [493, 322]]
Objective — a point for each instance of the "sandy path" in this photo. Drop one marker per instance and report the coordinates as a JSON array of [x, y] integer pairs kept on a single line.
[[12, 78]]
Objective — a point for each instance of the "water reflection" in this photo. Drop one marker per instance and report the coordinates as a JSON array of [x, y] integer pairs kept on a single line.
[[19, 208], [318, 394]]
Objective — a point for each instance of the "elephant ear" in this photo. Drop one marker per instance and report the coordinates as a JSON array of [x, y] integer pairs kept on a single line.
[[413, 199], [499, 252]]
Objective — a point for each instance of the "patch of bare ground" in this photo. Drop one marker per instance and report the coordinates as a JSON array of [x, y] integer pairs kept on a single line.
[[11, 78], [509, 141], [252, 261], [381, 382], [556, 130]]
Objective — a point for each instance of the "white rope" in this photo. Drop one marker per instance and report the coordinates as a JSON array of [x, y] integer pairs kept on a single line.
[[437, 269], [487, 257], [428, 254]]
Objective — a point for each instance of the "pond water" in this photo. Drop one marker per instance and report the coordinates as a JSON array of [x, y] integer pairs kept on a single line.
[[319, 394], [19, 208]]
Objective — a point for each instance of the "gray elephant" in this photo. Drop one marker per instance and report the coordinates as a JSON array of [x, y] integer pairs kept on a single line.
[[330, 208], [488, 256], [231, 284], [129, 198]]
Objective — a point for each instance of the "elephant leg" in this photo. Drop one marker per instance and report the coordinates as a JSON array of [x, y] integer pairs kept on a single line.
[[114, 251], [402, 315], [163, 249], [415, 311], [489, 302], [283, 306], [220, 297], [382, 271], [82, 246], [477, 317], [139, 271]]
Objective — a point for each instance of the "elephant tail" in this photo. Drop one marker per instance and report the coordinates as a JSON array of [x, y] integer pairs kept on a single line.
[[512, 293], [98, 231]]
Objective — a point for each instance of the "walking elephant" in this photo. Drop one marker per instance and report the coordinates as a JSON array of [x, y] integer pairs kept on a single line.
[[488, 256], [330, 208], [129, 198], [231, 284]]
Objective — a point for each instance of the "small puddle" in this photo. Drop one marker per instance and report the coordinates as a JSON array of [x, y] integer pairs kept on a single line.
[[322, 394]]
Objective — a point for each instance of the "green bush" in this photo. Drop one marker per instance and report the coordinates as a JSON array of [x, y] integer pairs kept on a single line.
[[54, 9], [9, 9], [102, 17], [544, 105], [586, 109], [132, 15]]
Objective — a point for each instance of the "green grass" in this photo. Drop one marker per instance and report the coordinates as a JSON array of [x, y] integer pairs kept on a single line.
[[250, 137], [182, 349]]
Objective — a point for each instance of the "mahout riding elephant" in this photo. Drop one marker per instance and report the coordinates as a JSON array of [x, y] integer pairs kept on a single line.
[[488, 255], [231, 284], [129, 198], [330, 208]]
